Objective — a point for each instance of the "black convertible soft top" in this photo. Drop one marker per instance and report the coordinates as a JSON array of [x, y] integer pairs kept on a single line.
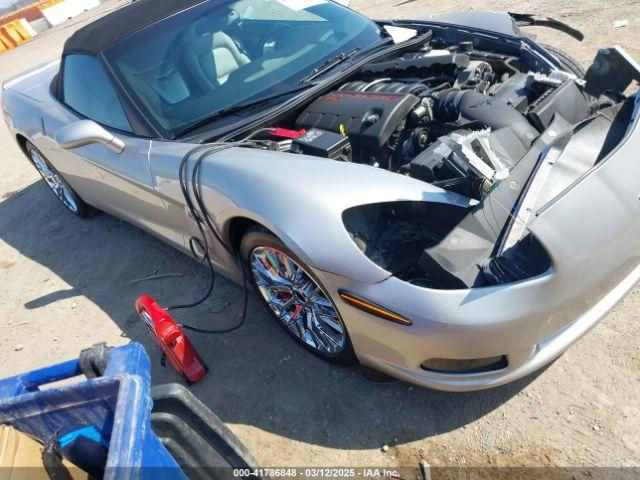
[[104, 32]]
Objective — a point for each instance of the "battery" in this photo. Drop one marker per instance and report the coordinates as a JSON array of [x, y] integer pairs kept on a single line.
[[322, 143]]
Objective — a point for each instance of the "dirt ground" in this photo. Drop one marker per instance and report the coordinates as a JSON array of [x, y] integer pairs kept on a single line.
[[66, 284]]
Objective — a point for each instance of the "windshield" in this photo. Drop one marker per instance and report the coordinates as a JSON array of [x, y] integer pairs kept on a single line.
[[218, 54]]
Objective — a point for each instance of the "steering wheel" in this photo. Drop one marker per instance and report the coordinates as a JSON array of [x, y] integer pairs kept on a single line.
[[269, 41]]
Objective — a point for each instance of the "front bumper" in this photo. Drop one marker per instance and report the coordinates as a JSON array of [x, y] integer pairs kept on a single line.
[[528, 345], [592, 234]]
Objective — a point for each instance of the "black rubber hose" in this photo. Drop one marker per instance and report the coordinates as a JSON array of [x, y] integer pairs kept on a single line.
[[476, 106]]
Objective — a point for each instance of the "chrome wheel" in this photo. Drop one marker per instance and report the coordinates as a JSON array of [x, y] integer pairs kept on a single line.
[[297, 300], [54, 181]]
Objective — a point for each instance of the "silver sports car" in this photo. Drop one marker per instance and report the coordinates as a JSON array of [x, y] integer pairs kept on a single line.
[[443, 200]]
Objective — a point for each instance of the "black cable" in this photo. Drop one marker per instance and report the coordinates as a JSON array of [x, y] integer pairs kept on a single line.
[[197, 193], [193, 240], [203, 215], [243, 316], [209, 290]]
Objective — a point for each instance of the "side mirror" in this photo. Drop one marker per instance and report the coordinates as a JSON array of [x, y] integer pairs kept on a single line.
[[86, 132]]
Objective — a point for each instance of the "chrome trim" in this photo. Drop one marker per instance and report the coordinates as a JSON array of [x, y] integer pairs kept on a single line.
[[55, 182], [297, 300]]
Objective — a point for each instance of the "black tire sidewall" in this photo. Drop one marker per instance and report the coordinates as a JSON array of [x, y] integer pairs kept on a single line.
[[258, 237], [84, 210], [567, 60]]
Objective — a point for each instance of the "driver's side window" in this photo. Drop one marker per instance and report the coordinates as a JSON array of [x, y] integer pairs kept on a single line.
[[87, 90]]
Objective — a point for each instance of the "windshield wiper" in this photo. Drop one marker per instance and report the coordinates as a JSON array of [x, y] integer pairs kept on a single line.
[[329, 64], [237, 108]]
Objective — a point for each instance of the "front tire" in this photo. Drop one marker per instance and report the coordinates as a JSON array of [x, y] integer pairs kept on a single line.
[[295, 297], [568, 61], [58, 185]]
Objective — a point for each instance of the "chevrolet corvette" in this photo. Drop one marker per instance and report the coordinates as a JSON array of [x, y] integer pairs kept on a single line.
[[444, 200]]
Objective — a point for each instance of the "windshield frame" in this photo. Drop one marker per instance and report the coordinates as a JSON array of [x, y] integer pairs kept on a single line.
[[110, 54]]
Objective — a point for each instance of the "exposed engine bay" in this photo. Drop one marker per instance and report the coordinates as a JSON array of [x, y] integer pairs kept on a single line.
[[452, 117], [468, 120]]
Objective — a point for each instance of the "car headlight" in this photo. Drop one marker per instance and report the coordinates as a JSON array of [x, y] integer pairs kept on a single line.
[[393, 235], [396, 235]]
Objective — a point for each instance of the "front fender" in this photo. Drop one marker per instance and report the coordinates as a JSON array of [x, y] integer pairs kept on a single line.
[[301, 199]]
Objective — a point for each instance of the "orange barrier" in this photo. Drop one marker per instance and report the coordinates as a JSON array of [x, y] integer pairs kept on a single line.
[[5, 44], [14, 34], [10, 35], [18, 26]]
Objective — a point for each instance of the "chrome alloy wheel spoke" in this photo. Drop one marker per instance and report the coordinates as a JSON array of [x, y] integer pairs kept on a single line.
[[54, 181], [322, 335], [326, 313], [314, 332], [297, 300], [266, 276]]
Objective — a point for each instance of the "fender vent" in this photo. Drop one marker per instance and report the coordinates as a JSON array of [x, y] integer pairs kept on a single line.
[[474, 365]]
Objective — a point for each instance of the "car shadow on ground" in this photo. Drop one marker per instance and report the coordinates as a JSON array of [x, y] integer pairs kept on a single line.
[[259, 376]]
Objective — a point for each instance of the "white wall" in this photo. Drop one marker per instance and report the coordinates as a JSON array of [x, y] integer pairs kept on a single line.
[[67, 9]]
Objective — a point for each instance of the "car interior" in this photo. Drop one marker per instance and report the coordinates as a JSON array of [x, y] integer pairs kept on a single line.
[[199, 68]]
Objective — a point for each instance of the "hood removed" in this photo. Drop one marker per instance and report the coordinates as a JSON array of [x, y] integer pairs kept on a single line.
[[478, 116]]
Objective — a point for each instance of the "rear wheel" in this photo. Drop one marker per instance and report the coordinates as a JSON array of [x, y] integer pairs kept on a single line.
[[568, 61], [295, 297], [58, 185]]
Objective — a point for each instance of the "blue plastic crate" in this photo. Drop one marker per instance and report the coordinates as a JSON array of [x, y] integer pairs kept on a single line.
[[117, 405]]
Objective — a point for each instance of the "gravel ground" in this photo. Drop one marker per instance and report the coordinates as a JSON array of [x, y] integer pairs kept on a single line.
[[66, 284]]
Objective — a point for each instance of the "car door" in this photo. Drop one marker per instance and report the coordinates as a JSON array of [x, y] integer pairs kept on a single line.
[[118, 183]]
